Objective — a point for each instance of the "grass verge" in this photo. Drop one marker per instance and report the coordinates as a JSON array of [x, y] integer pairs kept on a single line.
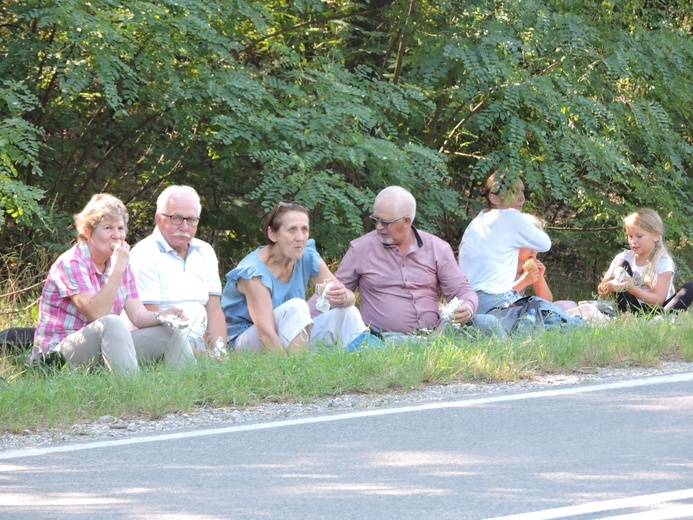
[[33, 399]]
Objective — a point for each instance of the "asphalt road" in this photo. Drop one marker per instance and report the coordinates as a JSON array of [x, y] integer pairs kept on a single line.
[[616, 450]]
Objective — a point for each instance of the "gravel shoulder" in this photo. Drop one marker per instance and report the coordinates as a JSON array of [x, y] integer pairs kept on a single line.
[[108, 427]]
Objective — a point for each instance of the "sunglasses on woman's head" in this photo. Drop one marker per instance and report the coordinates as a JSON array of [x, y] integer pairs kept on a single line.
[[289, 206]]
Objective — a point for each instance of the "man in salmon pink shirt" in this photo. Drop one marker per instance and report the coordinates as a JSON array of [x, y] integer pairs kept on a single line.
[[400, 273]]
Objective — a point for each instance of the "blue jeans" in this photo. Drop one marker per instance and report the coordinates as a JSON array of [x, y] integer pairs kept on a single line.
[[488, 301], [489, 325]]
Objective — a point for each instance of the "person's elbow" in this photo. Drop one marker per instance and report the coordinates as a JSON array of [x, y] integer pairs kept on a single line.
[[545, 245]]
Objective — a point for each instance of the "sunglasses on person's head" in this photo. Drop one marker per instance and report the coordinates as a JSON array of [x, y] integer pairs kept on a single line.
[[384, 223], [289, 206]]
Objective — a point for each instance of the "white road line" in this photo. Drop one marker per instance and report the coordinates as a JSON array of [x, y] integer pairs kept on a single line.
[[608, 505], [659, 514], [657, 380]]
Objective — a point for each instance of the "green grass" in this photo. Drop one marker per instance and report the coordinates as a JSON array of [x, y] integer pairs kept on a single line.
[[32, 398]]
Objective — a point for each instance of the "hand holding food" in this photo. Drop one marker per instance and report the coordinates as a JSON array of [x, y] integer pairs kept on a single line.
[[530, 264]]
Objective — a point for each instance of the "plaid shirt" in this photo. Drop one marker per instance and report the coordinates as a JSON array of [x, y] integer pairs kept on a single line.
[[73, 273]]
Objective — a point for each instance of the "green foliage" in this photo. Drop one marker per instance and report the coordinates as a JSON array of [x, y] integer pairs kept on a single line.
[[326, 103], [19, 152], [588, 104]]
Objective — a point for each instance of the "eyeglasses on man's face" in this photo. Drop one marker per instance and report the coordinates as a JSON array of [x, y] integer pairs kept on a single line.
[[384, 223], [177, 220]]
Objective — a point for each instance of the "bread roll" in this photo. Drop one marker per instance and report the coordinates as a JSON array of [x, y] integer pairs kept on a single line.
[[529, 264]]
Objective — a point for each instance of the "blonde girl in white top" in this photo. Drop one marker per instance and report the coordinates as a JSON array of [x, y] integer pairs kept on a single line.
[[642, 278]]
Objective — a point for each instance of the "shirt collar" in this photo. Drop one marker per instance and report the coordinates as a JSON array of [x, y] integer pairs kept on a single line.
[[419, 241], [165, 247], [91, 265]]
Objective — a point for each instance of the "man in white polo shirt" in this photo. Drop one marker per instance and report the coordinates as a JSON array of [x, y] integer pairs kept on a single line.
[[173, 268]]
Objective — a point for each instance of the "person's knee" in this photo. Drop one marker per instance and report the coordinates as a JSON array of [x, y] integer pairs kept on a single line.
[[294, 319], [488, 324], [347, 313], [297, 307], [113, 324]]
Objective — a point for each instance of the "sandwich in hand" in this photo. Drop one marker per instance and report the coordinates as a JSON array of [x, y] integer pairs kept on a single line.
[[529, 264]]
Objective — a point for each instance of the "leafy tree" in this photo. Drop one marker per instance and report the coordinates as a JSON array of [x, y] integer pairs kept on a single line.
[[19, 153], [325, 103]]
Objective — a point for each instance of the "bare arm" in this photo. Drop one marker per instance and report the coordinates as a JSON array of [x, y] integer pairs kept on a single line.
[[541, 286], [656, 296], [261, 312], [216, 322], [526, 279], [95, 306], [338, 295], [142, 316]]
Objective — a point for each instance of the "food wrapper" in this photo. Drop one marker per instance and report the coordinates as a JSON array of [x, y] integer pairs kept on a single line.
[[218, 351], [622, 277], [323, 304], [196, 316], [173, 321], [447, 310]]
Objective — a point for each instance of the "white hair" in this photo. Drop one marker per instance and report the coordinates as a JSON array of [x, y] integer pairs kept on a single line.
[[404, 202], [171, 192]]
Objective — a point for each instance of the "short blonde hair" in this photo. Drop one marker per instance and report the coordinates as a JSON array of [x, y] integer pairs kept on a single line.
[[101, 207]]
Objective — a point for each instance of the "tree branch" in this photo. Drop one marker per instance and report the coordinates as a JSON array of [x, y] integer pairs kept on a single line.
[[402, 41], [20, 291], [460, 123]]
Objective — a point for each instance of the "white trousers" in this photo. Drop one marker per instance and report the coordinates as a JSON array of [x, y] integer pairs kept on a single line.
[[292, 318]]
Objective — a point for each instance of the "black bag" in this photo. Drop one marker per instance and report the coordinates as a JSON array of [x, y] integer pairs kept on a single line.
[[16, 340], [510, 317], [546, 315]]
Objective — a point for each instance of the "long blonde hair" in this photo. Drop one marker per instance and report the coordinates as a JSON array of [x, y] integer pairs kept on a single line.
[[650, 221]]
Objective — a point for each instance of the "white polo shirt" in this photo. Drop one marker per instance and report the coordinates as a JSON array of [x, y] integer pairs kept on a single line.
[[165, 279]]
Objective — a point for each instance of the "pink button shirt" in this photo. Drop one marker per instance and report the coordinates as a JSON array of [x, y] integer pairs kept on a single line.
[[399, 290], [74, 272]]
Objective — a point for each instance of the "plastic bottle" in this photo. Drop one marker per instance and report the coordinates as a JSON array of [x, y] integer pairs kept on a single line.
[[527, 322]]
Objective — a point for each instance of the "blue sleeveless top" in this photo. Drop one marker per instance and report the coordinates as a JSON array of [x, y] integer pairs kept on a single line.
[[235, 305]]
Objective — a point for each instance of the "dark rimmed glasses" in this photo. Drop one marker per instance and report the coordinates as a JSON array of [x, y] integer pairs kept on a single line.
[[177, 220], [384, 223]]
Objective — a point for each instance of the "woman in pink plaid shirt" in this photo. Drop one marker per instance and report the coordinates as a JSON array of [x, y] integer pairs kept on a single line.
[[86, 290]]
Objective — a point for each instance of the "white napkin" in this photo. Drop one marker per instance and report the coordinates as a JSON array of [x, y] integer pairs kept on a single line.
[[447, 310], [323, 304]]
